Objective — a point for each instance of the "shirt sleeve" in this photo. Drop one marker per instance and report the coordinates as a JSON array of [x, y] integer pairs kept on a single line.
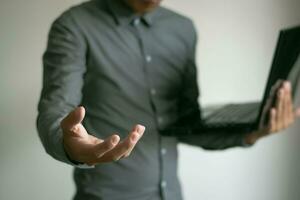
[[190, 111], [63, 75]]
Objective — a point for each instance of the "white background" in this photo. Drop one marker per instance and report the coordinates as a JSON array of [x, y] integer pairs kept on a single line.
[[235, 49]]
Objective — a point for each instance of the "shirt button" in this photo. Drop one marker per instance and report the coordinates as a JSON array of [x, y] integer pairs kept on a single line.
[[160, 120], [136, 21], [163, 184], [163, 151], [148, 58], [153, 91]]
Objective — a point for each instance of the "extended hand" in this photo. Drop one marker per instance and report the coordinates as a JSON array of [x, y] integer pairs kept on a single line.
[[85, 148], [281, 116]]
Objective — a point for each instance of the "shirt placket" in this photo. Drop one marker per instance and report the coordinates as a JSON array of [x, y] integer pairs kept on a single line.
[[148, 58]]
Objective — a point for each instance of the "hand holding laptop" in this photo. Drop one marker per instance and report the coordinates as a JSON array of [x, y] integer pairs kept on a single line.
[[280, 111]]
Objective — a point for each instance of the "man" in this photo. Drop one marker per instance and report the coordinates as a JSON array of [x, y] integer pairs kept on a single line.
[[127, 62]]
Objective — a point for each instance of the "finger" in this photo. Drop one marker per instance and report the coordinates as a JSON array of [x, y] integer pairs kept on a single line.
[[140, 130], [271, 101], [94, 140], [129, 143], [272, 122], [91, 150], [289, 116], [279, 109], [103, 147], [123, 147], [116, 153], [73, 118], [286, 106]]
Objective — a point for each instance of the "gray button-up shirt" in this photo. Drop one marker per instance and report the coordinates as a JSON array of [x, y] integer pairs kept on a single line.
[[124, 69]]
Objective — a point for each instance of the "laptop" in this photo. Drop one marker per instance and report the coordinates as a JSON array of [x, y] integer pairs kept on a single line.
[[246, 117]]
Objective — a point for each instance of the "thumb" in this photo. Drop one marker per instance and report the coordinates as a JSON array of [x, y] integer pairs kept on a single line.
[[73, 118]]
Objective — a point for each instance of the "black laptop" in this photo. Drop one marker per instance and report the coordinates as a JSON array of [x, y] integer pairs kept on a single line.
[[246, 117]]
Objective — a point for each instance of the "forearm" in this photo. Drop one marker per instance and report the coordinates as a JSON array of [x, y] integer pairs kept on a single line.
[[63, 70], [50, 133], [215, 140], [189, 129]]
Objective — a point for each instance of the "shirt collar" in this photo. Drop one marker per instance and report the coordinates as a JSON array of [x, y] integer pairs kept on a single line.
[[123, 14]]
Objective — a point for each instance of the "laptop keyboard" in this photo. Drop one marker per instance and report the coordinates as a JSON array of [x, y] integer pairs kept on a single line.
[[235, 113]]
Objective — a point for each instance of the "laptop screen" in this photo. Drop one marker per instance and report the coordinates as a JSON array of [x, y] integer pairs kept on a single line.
[[285, 64], [294, 76]]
